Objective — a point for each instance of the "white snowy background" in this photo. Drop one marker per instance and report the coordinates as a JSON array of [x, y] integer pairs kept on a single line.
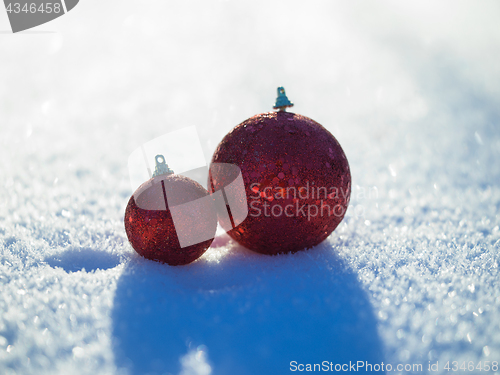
[[410, 89]]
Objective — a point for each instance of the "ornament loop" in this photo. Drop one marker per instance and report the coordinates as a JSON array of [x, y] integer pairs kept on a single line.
[[161, 167], [282, 101]]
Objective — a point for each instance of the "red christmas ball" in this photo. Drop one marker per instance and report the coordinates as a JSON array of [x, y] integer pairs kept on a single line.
[[170, 219], [297, 181]]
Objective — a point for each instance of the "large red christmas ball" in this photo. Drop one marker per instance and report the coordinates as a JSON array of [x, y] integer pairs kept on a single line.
[[170, 219], [297, 181]]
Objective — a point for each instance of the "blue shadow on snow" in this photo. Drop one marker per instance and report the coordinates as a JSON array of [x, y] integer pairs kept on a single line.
[[254, 313]]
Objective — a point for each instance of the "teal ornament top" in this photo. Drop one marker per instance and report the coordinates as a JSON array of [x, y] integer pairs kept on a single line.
[[161, 167], [282, 101]]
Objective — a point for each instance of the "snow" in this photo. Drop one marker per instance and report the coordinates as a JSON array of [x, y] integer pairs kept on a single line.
[[411, 92]]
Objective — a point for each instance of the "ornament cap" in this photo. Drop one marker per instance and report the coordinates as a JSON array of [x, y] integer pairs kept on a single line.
[[161, 167], [282, 101]]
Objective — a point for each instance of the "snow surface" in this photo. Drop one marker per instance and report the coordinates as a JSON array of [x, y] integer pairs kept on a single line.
[[410, 90]]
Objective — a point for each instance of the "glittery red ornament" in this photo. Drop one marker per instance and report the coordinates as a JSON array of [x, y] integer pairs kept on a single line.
[[166, 211], [297, 181]]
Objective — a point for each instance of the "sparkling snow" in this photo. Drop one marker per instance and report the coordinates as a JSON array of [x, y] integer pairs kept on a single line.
[[410, 90]]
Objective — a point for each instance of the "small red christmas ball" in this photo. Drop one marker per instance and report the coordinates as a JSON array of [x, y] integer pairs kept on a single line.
[[169, 211], [297, 181]]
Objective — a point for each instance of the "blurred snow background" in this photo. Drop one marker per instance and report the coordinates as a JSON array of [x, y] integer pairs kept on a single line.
[[411, 91]]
